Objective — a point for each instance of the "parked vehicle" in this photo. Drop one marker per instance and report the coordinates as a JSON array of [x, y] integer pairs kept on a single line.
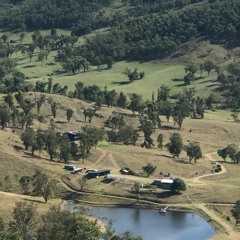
[[69, 167], [98, 173], [76, 170]]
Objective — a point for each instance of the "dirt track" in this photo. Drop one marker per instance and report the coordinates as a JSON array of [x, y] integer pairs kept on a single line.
[[230, 233]]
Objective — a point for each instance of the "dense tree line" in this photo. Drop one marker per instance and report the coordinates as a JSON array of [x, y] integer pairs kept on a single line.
[[40, 14], [156, 35], [26, 224], [142, 33]]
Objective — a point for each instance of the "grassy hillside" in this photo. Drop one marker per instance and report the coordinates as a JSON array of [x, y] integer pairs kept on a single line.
[[212, 133], [168, 71]]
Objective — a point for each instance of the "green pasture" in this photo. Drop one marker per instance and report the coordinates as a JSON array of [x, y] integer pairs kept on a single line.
[[156, 74]]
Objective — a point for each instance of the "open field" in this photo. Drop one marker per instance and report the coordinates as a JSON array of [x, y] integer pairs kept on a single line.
[[168, 71], [216, 131], [156, 74]]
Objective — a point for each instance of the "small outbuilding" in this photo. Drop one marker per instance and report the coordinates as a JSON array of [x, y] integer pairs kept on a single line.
[[72, 135], [98, 173], [164, 183]]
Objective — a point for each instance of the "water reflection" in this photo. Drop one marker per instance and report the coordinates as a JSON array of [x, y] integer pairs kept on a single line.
[[151, 225]]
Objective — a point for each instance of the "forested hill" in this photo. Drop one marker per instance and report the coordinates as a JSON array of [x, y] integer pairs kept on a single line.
[[137, 30], [45, 14]]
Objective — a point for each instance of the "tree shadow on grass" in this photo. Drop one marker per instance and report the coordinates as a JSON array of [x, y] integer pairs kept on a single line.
[[30, 155], [212, 85], [17, 148], [29, 66], [61, 122], [168, 127], [183, 161], [182, 85], [121, 83], [177, 79], [208, 81], [166, 194], [107, 181], [34, 200], [164, 155]]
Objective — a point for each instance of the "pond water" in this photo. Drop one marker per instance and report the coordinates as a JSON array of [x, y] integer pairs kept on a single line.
[[151, 225]]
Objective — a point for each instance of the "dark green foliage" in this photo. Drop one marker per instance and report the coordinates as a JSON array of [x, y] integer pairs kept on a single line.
[[175, 145], [51, 142], [125, 236], [40, 102], [134, 75], [73, 150], [61, 224], [147, 127], [89, 113], [163, 93], [39, 180], [29, 138], [194, 152], [40, 140], [116, 122], [149, 169], [5, 116], [236, 211], [230, 151], [25, 220], [8, 99], [128, 135], [223, 153], [69, 113], [148, 36], [25, 183], [54, 107], [42, 185], [89, 137], [208, 66], [188, 79], [191, 68], [122, 100], [55, 224], [65, 148], [178, 185], [160, 141], [110, 97], [136, 103]]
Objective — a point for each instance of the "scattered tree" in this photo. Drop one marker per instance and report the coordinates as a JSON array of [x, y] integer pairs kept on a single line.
[[178, 185], [29, 138], [25, 183], [194, 152], [54, 109], [5, 116], [160, 141], [70, 113], [65, 148], [236, 211], [208, 66], [175, 145], [25, 220], [82, 183], [128, 135], [149, 169]]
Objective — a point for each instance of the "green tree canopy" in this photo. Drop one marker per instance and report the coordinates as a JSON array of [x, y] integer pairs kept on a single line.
[[178, 185], [193, 152], [149, 169], [175, 145]]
